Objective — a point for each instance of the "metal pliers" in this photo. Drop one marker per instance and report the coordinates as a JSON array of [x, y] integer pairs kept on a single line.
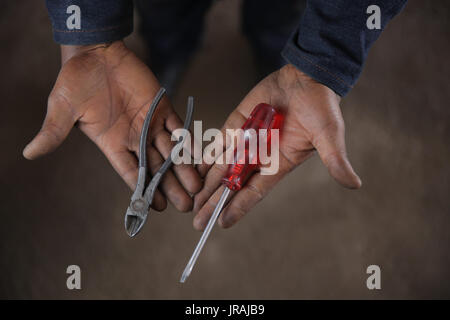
[[141, 200]]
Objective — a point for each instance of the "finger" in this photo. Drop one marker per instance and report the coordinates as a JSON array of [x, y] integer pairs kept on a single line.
[[256, 188], [57, 125], [234, 121], [126, 165], [215, 173], [330, 144], [217, 147], [170, 186], [204, 214], [239, 203], [211, 183], [186, 173], [174, 122]]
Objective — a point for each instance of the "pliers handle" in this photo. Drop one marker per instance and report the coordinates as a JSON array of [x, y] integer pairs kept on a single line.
[[141, 200]]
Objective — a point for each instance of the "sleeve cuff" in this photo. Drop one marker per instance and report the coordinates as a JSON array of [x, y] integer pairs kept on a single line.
[[94, 36], [308, 64], [98, 21]]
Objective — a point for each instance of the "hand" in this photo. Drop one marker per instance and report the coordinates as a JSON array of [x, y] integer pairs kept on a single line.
[[106, 90], [313, 121]]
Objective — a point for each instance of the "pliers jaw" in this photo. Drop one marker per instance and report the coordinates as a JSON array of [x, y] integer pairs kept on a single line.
[[136, 216], [137, 211]]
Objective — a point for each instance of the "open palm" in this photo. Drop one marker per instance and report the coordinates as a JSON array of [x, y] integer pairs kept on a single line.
[[312, 121], [107, 91]]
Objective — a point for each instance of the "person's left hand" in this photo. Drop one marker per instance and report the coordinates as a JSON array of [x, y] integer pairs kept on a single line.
[[313, 121]]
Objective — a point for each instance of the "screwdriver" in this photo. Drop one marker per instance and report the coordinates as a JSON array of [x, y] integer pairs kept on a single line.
[[263, 117]]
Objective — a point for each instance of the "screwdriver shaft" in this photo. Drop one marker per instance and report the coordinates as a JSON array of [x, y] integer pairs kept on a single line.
[[205, 235]]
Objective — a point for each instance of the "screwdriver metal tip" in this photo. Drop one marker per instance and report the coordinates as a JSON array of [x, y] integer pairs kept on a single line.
[[204, 237], [186, 274]]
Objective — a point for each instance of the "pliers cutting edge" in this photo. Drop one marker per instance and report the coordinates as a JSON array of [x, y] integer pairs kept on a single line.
[[141, 200]]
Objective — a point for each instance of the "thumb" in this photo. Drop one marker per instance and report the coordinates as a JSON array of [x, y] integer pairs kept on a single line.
[[330, 144], [57, 125]]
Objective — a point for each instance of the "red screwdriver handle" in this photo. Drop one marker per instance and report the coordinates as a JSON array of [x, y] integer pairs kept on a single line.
[[263, 116]]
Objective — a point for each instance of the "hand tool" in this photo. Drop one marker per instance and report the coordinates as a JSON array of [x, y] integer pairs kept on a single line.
[[141, 200], [263, 117]]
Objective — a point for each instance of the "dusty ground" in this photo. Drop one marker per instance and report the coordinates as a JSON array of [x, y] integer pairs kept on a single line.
[[309, 239]]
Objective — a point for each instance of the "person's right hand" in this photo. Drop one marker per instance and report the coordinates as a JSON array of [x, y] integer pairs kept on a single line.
[[312, 121], [106, 90]]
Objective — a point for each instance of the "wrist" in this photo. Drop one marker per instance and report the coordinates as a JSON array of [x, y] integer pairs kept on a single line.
[[291, 76], [69, 51]]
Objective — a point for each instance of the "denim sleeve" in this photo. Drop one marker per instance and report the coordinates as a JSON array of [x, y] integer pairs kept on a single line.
[[332, 40], [100, 21]]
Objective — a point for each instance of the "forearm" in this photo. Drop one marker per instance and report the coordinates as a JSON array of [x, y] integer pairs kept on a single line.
[[332, 40]]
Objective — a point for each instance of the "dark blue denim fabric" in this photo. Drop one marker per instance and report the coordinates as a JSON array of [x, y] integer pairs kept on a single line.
[[332, 40], [330, 43], [101, 21]]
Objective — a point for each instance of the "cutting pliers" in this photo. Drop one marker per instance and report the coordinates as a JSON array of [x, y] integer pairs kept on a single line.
[[142, 199]]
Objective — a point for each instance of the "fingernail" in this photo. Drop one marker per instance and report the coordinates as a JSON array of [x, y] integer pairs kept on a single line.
[[359, 182], [26, 151]]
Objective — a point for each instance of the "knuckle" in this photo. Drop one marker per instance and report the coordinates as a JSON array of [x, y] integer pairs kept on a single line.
[[259, 195], [209, 187], [53, 99], [58, 100], [335, 159], [52, 131], [211, 202]]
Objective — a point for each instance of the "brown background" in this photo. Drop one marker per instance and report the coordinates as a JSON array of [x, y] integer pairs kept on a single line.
[[309, 238]]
